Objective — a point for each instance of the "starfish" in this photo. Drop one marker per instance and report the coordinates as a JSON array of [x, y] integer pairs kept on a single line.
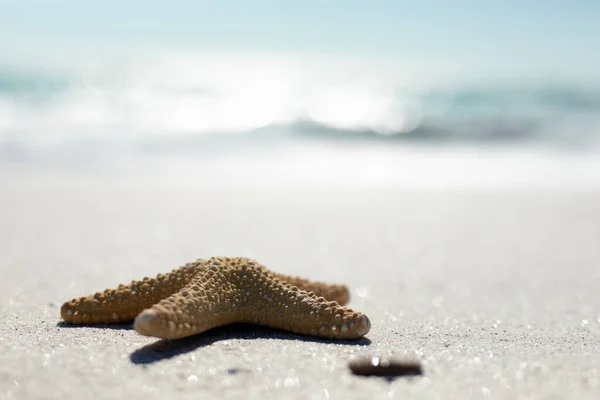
[[205, 294]]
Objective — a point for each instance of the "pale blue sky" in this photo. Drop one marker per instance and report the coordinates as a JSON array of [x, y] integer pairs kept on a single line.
[[555, 34]]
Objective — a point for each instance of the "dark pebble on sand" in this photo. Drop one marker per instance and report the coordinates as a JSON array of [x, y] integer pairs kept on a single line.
[[372, 365]]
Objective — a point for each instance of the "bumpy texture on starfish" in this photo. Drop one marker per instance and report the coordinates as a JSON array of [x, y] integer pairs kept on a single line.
[[205, 294]]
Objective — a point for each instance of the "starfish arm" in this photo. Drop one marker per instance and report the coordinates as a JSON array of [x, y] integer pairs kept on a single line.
[[127, 301], [287, 307], [211, 299], [337, 293]]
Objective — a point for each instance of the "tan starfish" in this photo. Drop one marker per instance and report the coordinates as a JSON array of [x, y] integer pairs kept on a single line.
[[205, 294]]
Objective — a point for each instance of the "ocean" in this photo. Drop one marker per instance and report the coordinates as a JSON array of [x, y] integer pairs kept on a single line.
[[250, 119]]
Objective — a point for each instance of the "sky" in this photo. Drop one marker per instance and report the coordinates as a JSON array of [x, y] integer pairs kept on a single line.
[[551, 36]]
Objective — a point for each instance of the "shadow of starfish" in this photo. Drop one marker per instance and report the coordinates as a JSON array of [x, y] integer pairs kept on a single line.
[[124, 326], [164, 349]]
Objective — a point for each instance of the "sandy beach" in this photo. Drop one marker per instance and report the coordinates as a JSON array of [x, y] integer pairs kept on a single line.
[[440, 159], [494, 291]]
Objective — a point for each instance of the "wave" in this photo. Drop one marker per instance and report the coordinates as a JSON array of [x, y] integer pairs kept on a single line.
[[155, 107]]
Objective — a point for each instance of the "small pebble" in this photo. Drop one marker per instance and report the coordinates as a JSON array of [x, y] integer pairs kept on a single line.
[[372, 365]]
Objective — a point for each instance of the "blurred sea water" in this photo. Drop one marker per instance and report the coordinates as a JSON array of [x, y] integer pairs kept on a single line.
[[315, 119]]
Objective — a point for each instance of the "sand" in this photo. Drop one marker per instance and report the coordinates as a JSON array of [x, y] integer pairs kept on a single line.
[[497, 293]]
